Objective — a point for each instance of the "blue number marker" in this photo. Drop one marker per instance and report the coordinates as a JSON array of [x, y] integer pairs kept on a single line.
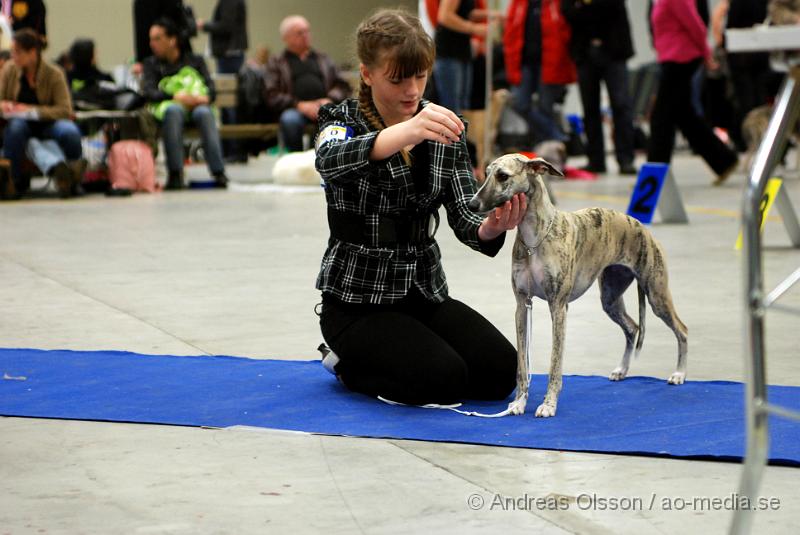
[[647, 191]]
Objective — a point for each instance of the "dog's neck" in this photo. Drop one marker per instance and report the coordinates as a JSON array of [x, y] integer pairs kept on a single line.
[[538, 221]]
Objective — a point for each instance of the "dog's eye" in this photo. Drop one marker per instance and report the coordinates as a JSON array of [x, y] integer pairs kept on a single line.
[[501, 176]]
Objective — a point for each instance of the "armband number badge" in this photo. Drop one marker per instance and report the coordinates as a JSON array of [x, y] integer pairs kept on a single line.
[[334, 132]]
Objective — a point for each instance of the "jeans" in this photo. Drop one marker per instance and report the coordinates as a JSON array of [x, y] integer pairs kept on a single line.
[[292, 126], [599, 67], [172, 129], [453, 83], [230, 65], [65, 135], [541, 118]]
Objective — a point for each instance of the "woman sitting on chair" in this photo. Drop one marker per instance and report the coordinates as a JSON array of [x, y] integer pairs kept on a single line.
[[35, 101]]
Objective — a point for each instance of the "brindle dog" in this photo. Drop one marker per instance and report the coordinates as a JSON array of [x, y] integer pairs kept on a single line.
[[558, 255]]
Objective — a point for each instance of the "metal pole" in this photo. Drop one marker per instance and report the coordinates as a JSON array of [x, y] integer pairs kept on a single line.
[[756, 391], [488, 149]]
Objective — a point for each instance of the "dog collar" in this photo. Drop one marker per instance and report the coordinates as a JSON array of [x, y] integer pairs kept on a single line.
[[530, 250]]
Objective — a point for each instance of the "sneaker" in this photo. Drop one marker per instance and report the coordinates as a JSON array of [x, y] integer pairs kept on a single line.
[[723, 176], [62, 175], [329, 359], [220, 180], [628, 169]]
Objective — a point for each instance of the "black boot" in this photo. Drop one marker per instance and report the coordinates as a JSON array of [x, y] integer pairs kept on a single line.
[[8, 188], [62, 175], [220, 180], [174, 180], [78, 169]]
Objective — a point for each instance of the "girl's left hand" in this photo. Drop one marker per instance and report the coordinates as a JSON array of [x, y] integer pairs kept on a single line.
[[503, 218]]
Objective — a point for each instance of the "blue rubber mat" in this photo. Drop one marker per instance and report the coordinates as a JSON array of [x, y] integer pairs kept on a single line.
[[640, 415]]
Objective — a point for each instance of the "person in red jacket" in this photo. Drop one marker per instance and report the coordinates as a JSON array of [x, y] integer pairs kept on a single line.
[[535, 44]]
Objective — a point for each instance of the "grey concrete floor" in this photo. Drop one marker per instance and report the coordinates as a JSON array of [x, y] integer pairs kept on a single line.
[[208, 272]]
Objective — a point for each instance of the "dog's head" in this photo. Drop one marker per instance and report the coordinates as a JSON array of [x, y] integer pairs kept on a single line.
[[509, 175]]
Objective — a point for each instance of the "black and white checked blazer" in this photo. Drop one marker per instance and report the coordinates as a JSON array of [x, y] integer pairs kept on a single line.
[[357, 273]]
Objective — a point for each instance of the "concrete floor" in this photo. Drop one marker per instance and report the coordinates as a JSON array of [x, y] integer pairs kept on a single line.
[[207, 272]]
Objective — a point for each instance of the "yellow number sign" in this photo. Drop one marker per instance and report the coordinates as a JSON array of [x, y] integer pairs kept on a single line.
[[767, 200]]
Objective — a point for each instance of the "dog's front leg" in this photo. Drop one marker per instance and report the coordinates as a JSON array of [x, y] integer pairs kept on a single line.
[[558, 315], [517, 406]]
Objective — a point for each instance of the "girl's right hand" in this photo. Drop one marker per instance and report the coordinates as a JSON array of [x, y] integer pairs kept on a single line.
[[435, 123]]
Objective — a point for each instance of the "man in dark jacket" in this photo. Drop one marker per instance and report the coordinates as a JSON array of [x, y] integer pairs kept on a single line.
[[227, 30], [146, 12], [299, 81], [601, 45], [167, 60]]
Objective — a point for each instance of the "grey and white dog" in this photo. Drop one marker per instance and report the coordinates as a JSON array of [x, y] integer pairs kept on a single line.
[[558, 255]]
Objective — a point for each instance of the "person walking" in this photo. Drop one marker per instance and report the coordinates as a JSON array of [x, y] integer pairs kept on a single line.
[[681, 44]]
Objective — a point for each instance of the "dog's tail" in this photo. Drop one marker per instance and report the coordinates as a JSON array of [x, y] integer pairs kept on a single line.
[[642, 310]]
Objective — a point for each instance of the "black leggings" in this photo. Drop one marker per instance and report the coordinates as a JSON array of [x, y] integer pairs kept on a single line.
[[418, 352], [673, 107]]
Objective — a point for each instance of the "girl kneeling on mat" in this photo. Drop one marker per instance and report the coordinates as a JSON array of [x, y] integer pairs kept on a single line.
[[389, 161]]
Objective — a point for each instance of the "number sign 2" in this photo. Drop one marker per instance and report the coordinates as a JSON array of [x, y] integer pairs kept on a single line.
[[655, 183]]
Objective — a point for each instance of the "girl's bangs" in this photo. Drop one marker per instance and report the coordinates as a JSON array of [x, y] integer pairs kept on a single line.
[[410, 59]]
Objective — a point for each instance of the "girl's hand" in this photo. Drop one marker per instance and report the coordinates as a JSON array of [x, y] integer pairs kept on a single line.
[[434, 123], [503, 218]]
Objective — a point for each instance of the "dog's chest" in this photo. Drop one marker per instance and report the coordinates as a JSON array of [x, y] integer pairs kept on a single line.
[[529, 276]]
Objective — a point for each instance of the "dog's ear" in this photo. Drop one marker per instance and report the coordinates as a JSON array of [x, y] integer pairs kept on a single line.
[[542, 167]]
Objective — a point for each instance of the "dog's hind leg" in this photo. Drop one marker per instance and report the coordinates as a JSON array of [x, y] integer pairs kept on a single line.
[[558, 314], [613, 281], [660, 299]]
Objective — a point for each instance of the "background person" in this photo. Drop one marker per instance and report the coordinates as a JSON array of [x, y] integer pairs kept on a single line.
[[27, 14], [457, 21], [299, 81], [146, 12], [389, 161], [681, 45], [35, 100], [227, 30], [536, 49], [174, 106], [601, 44]]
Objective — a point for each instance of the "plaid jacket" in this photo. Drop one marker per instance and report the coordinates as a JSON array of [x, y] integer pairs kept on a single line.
[[357, 273]]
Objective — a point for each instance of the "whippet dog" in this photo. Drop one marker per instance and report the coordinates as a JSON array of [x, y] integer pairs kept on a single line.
[[558, 255]]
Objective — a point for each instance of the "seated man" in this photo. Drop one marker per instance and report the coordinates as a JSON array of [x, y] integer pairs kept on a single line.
[[299, 80], [178, 88]]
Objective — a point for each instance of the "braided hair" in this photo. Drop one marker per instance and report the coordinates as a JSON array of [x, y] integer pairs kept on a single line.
[[397, 37]]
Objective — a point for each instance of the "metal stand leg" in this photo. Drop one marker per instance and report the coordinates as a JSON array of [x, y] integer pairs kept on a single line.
[[783, 117]]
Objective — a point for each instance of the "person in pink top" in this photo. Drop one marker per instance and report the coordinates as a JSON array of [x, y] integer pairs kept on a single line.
[[681, 43]]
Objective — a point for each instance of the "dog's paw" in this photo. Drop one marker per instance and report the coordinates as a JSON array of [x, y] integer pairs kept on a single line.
[[618, 374], [545, 411], [677, 378], [517, 407]]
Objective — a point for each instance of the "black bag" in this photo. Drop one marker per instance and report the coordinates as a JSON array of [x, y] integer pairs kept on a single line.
[[106, 96]]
